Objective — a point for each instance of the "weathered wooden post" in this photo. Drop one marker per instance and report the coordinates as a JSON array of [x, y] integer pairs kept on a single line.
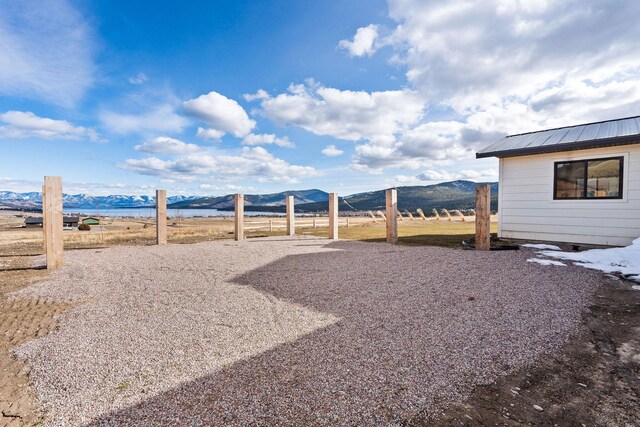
[[44, 218], [239, 217], [392, 215], [161, 217], [333, 216], [291, 218], [459, 215], [483, 217], [270, 225], [52, 221]]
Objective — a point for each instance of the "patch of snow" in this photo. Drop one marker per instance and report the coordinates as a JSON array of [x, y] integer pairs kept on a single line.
[[625, 260], [541, 246], [636, 287], [546, 262]]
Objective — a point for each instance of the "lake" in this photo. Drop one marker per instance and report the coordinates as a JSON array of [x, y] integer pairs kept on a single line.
[[151, 212]]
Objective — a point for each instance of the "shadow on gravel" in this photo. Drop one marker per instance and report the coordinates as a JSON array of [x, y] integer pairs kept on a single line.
[[415, 333], [37, 267]]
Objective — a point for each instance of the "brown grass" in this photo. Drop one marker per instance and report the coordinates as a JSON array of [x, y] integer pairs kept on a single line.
[[125, 231]]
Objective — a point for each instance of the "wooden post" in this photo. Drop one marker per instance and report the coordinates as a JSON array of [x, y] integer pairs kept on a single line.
[[161, 217], [291, 219], [483, 217], [44, 219], [52, 221], [333, 216], [239, 216], [392, 215], [459, 215], [270, 225]]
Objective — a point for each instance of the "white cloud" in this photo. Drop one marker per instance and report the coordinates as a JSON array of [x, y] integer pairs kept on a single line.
[[501, 66], [221, 113], [138, 79], [209, 133], [443, 175], [331, 151], [363, 41], [260, 94], [254, 139], [255, 162], [24, 124], [467, 174], [162, 118], [226, 188], [405, 180], [349, 115], [455, 54], [424, 144], [46, 51], [164, 144]]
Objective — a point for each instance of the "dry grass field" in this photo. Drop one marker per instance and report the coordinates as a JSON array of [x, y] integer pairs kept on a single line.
[[140, 231]]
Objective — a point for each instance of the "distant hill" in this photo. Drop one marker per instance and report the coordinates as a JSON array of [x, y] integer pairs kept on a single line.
[[446, 195], [274, 200]]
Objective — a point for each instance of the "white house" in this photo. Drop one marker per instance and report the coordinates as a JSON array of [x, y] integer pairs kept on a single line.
[[576, 184]]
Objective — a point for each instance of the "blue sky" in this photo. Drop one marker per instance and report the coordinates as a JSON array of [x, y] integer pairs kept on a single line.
[[213, 97]]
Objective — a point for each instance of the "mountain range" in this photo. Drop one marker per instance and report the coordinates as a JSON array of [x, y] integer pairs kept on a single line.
[[447, 195], [33, 200]]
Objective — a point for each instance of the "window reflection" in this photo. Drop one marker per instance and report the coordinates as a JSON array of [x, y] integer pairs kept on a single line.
[[589, 179], [569, 180], [603, 179]]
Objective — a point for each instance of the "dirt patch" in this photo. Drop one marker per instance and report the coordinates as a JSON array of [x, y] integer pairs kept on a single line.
[[21, 321], [593, 380]]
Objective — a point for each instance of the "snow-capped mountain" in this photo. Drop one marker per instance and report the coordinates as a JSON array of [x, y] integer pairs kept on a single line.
[[10, 195], [82, 201]]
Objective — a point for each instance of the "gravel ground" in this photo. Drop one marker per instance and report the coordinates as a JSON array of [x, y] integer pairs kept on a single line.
[[292, 331]]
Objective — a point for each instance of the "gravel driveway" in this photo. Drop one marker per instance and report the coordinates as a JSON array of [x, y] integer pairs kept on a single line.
[[291, 331]]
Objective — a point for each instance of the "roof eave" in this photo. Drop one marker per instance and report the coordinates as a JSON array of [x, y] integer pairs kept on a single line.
[[569, 146]]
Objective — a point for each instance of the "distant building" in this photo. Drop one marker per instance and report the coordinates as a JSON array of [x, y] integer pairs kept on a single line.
[[576, 184], [68, 222], [35, 222], [91, 221]]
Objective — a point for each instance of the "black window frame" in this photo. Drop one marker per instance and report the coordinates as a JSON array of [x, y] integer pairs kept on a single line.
[[586, 174]]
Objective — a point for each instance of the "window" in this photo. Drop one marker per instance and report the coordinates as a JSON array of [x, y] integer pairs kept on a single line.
[[588, 179]]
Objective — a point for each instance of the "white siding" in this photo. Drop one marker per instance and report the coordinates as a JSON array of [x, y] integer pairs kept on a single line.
[[528, 211]]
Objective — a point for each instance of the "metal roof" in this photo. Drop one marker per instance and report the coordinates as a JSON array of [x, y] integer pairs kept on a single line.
[[38, 219], [579, 137]]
